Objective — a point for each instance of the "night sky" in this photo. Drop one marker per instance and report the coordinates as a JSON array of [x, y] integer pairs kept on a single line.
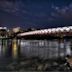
[[35, 13]]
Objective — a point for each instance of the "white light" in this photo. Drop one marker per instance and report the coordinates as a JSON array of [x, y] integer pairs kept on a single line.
[[35, 32], [0, 27], [53, 30], [70, 27], [40, 32], [49, 30], [67, 29], [22, 43], [61, 30], [64, 28], [5, 27], [16, 29], [27, 33], [45, 31], [58, 29]]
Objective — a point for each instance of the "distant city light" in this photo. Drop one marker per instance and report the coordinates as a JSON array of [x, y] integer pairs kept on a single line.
[[16, 29], [3, 28]]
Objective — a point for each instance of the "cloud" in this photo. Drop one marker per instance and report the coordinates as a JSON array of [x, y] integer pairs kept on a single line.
[[60, 13], [13, 7], [64, 12], [70, 5], [18, 8]]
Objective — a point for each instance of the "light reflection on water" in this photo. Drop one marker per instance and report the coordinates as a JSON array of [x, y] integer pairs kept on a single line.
[[44, 48], [41, 48]]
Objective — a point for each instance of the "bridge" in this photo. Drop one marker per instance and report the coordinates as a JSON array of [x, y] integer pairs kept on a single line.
[[54, 32], [60, 38], [40, 43]]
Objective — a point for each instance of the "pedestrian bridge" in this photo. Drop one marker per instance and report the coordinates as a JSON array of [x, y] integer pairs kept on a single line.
[[44, 43], [47, 43], [60, 31]]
